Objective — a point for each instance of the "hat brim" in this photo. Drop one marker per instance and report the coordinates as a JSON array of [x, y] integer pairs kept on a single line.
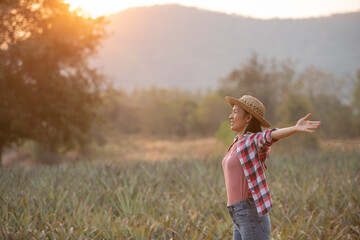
[[233, 101]]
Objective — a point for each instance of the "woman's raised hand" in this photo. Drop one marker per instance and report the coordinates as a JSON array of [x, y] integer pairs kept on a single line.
[[304, 125]]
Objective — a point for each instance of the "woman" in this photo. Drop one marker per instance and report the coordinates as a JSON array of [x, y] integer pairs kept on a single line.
[[248, 195]]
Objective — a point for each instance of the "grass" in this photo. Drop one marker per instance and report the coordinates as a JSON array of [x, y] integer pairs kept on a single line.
[[316, 196]]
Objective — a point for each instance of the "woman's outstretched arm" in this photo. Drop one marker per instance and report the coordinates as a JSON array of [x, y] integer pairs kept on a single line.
[[303, 125]]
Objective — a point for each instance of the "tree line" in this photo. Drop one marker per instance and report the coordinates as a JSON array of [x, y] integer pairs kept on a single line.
[[286, 94]]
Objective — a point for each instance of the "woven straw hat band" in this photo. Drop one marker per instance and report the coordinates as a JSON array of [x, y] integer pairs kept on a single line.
[[254, 104]]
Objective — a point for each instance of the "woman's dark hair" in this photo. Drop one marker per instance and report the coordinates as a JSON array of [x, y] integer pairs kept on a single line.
[[254, 125]]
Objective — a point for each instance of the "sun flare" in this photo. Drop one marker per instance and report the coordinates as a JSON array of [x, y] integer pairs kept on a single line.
[[257, 8], [104, 7]]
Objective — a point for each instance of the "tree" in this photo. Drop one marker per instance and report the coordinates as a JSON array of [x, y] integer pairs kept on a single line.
[[263, 79], [212, 110], [337, 118], [48, 93], [295, 106], [314, 82], [121, 117], [329, 97], [165, 112]]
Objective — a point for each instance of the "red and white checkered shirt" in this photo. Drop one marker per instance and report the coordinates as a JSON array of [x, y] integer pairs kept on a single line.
[[253, 149]]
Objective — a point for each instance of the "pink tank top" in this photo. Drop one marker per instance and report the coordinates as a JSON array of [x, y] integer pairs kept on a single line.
[[235, 180]]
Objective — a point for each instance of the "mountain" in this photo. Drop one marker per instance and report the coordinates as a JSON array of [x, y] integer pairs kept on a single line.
[[189, 48]]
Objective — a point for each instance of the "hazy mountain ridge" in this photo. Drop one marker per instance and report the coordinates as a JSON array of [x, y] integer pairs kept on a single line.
[[175, 46]]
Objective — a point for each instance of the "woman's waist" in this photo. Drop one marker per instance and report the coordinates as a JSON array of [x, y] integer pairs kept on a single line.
[[247, 203], [237, 194]]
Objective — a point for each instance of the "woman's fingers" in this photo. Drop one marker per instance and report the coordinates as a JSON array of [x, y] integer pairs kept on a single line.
[[313, 124], [307, 116], [305, 125]]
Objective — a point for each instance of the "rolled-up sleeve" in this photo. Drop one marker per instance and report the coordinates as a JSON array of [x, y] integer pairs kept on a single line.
[[263, 140]]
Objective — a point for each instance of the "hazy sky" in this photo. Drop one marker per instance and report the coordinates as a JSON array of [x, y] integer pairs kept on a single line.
[[252, 8]]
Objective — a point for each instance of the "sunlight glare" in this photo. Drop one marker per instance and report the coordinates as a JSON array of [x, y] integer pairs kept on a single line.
[[257, 8], [104, 7]]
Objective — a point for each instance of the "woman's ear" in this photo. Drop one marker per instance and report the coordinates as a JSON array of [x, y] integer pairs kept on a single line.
[[248, 118]]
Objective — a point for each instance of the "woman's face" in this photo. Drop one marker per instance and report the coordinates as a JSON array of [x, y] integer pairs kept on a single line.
[[239, 119]]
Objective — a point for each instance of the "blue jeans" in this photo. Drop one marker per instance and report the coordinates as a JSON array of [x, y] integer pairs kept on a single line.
[[247, 223]]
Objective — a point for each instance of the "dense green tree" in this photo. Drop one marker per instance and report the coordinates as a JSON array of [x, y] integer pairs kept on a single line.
[[48, 93]]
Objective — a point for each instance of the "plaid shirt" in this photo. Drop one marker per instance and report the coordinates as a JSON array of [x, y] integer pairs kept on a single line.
[[253, 149]]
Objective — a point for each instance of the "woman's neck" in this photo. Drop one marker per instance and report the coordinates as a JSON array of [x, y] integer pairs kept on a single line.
[[241, 133]]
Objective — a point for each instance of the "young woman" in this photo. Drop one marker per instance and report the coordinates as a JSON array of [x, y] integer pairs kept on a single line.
[[248, 194]]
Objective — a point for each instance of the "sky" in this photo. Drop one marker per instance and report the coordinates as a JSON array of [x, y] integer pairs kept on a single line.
[[264, 9]]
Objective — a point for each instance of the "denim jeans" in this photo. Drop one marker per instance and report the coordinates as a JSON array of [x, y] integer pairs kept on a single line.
[[247, 223]]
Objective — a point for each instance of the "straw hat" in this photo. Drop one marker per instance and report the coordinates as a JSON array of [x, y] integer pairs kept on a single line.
[[252, 105]]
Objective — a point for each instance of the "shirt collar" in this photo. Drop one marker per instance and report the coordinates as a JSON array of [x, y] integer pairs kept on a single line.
[[237, 136]]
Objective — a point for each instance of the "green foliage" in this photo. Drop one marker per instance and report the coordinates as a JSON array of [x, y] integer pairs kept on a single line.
[[293, 107], [315, 196], [212, 110], [224, 133], [166, 112], [337, 119], [48, 92], [121, 117]]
